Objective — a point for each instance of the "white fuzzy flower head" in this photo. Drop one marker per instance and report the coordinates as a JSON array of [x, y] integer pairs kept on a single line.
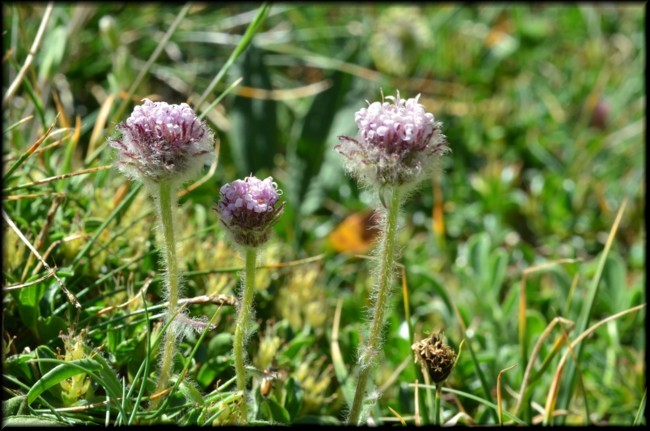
[[248, 208], [396, 144], [162, 142]]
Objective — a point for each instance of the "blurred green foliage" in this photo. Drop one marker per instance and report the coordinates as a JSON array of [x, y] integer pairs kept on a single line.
[[544, 110]]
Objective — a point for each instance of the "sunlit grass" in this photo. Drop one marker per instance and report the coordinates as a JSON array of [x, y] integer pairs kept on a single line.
[[531, 234]]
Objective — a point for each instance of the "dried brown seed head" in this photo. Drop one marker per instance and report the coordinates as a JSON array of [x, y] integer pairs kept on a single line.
[[436, 356]]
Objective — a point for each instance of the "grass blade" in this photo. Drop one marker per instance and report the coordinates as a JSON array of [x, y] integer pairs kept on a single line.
[[639, 414], [486, 403], [28, 153], [30, 57], [479, 372], [121, 207], [239, 49], [59, 373], [136, 83], [552, 397], [585, 314], [56, 178], [499, 399]]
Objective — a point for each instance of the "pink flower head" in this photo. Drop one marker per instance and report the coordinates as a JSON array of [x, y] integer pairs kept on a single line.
[[248, 209], [396, 142], [162, 142]]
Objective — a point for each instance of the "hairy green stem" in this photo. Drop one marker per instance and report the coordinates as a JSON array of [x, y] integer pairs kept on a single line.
[[241, 326], [369, 354], [166, 201]]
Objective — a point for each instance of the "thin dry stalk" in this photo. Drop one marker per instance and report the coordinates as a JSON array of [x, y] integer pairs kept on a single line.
[[499, 398], [30, 56], [533, 358], [13, 226], [58, 177], [397, 415], [40, 239], [555, 383]]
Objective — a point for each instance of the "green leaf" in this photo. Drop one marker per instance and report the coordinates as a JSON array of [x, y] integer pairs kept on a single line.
[[53, 51], [615, 290], [318, 420], [28, 308], [91, 224], [109, 381], [59, 373], [315, 132], [220, 344], [44, 352], [302, 340], [31, 421], [66, 271], [293, 400], [498, 263], [49, 328], [15, 406], [254, 133], [275, 411], [191, 393], [18, 366], [213, 368], [97, 368], [479, 249], [536, 324]]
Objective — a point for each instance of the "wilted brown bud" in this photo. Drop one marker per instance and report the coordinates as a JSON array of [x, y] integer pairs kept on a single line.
[[600, 115], [436, 356]]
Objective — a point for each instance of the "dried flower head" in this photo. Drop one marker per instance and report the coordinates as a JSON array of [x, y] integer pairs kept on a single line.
[[248, 209], [162, 142], [436, 356], [396, 143]]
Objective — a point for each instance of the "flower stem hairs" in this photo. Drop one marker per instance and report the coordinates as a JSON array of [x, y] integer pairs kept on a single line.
[[248, 209], [398, 145], [163, 146]]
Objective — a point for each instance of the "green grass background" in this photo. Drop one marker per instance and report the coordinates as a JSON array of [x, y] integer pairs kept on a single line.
[[544, 110]]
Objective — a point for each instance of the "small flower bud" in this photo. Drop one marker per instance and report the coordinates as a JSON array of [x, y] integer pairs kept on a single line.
[[600, 115], [162, 142], [396, 142], [248, 209], [109, 32], [436, 356]]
